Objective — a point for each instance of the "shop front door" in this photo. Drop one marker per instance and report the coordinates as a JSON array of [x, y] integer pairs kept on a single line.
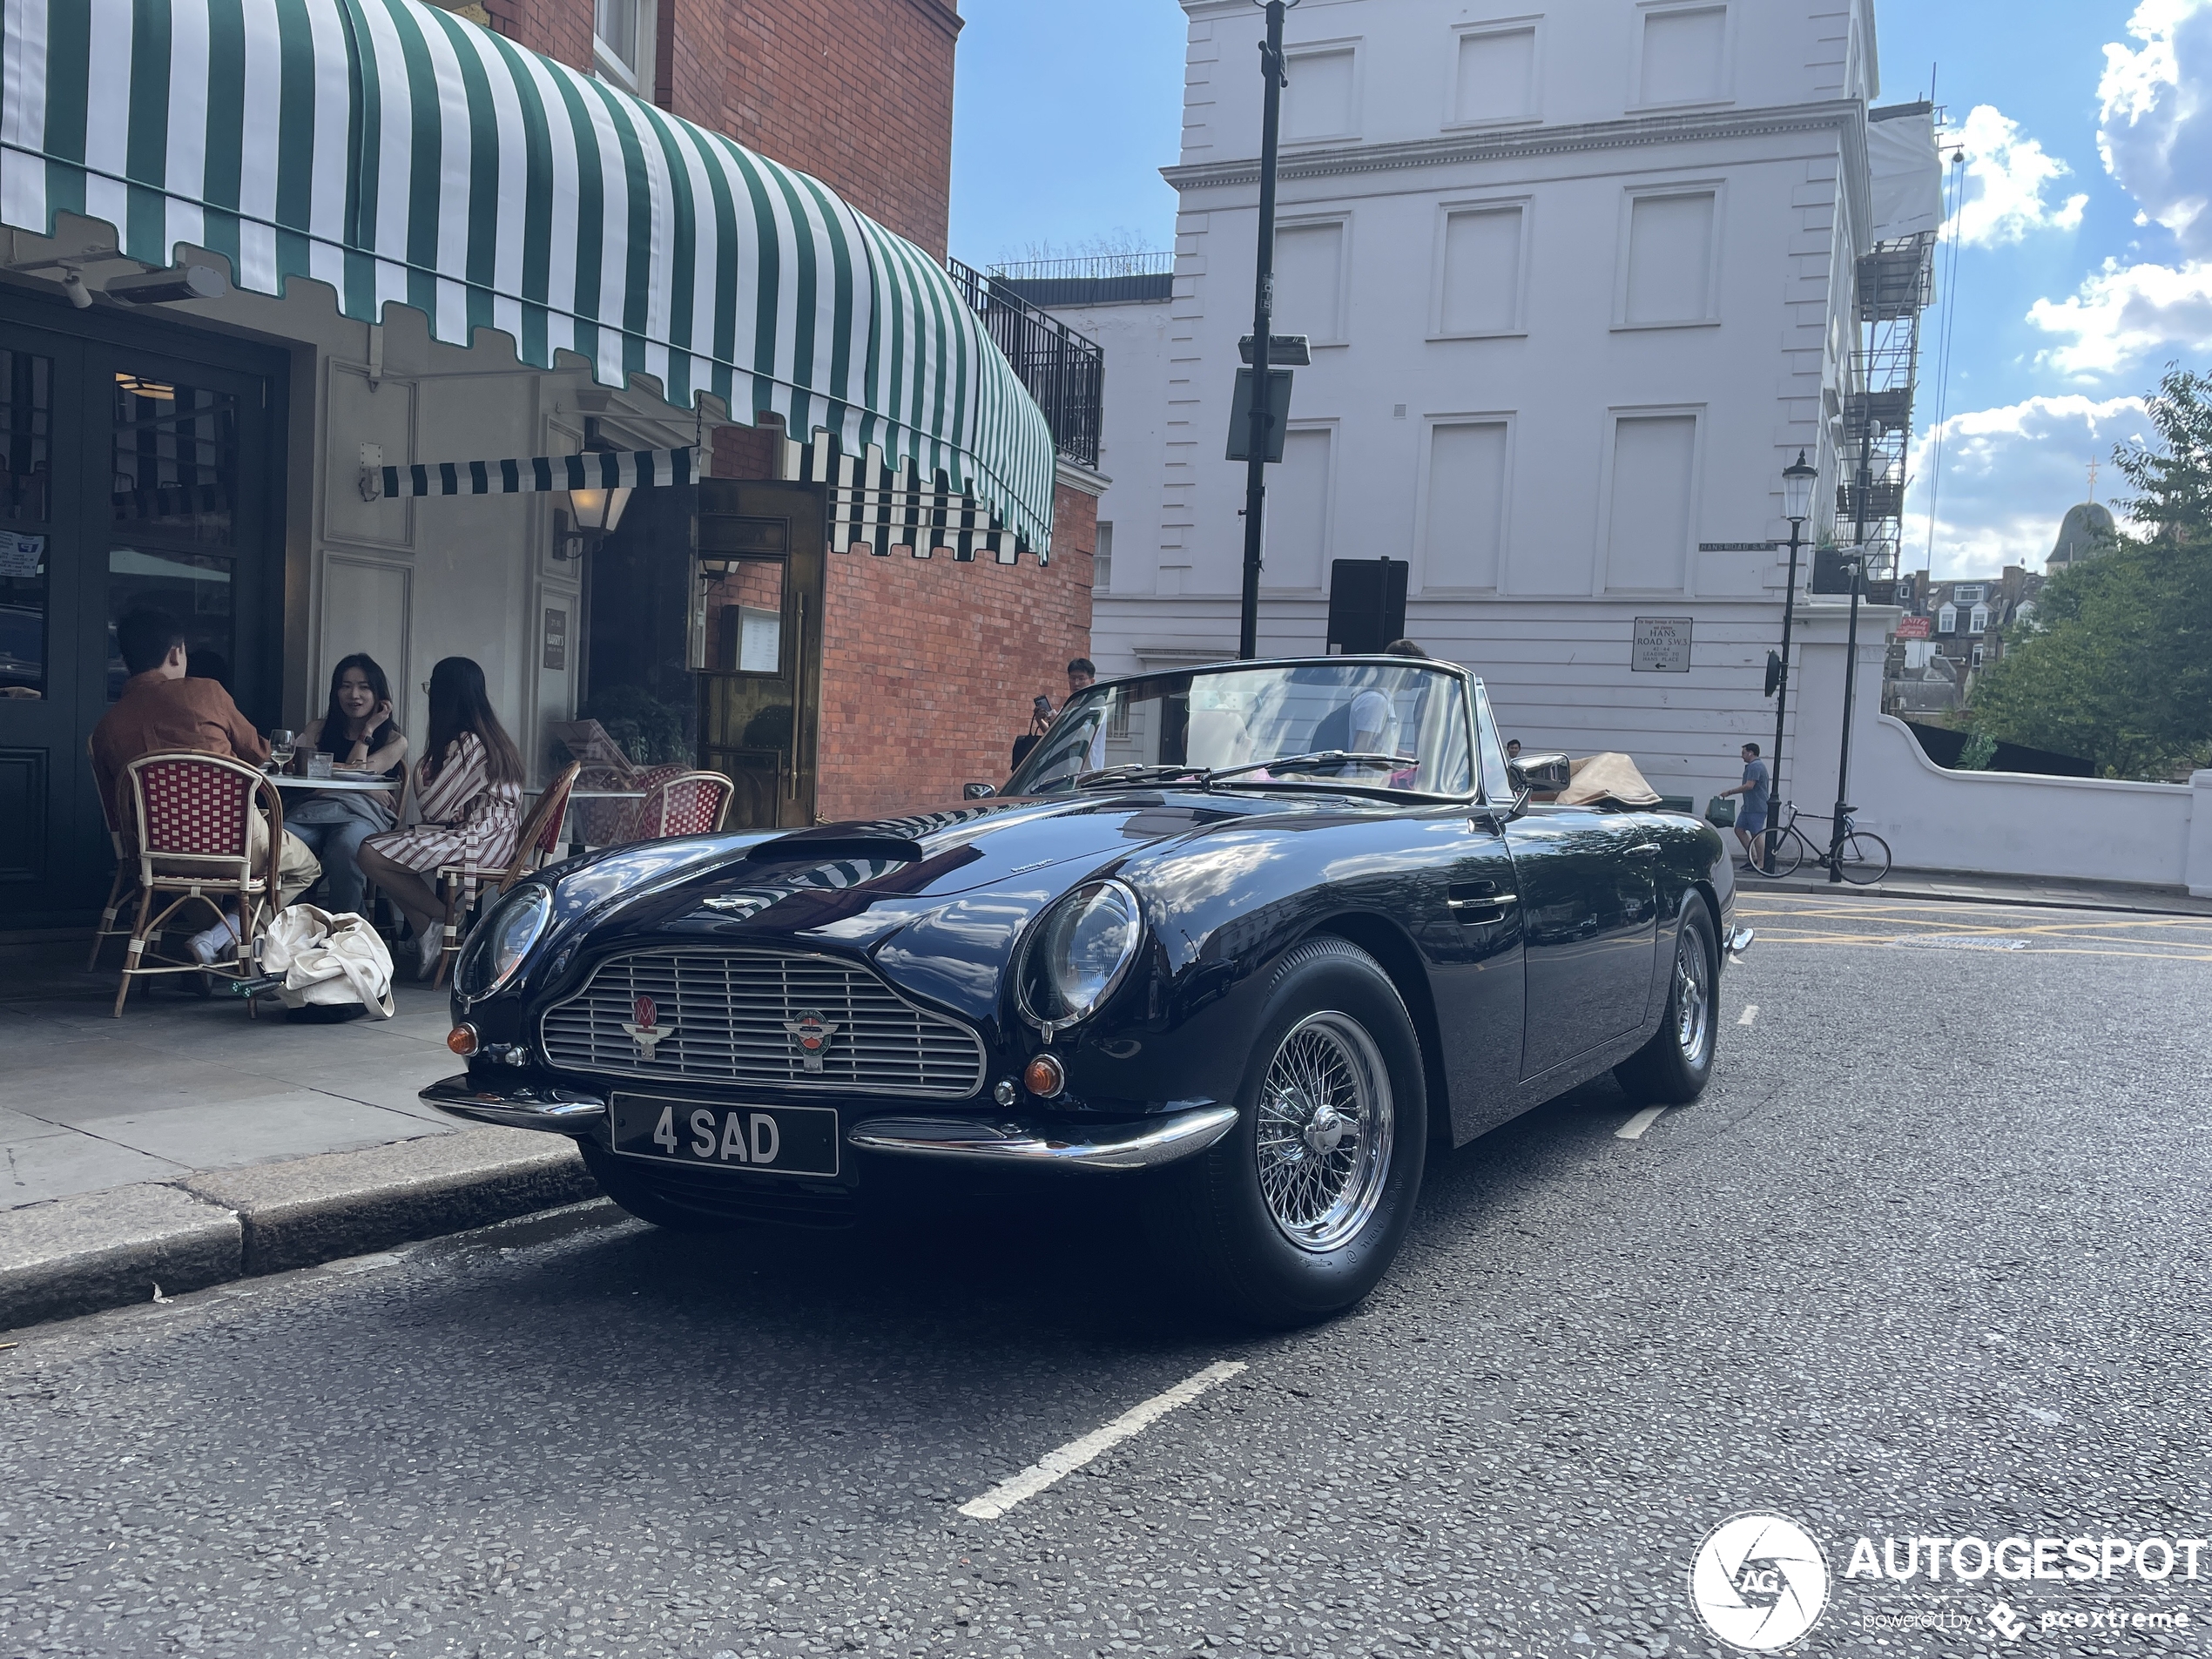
[[133, 472], [757, 644]]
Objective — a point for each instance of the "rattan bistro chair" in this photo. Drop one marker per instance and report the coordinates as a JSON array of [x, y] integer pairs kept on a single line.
[[691, 803], [537, 841], [118, 890], [192, 816]]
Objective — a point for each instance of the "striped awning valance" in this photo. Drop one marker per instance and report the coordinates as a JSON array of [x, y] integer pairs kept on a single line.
[[617, 469], [877, 506], [405, 156]]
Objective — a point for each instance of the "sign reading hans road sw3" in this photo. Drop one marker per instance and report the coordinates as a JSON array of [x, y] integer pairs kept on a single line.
[[1662, 645]]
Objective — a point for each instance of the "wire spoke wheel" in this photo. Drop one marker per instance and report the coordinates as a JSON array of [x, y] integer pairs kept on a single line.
[[1693, 999], [1323, 1131], [1865, 858]]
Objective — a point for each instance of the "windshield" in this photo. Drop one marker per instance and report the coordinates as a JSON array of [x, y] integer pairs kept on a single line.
[[1405, 721]]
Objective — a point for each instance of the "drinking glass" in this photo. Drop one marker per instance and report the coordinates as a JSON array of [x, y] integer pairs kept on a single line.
[[280, 749], [319, 765]]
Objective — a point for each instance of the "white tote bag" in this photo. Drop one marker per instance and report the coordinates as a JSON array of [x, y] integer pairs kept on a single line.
[[327, 960]]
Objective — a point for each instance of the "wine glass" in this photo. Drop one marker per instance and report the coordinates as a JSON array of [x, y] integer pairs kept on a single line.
[[280, 749]]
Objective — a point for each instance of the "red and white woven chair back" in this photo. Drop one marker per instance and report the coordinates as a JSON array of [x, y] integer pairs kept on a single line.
[[541, 836], [193, 805], [690, 804]]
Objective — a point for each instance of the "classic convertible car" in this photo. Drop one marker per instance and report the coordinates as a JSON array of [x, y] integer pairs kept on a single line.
[[1255, 937]]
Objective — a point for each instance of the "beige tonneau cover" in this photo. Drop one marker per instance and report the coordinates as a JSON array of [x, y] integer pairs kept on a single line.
[[1607, 777]]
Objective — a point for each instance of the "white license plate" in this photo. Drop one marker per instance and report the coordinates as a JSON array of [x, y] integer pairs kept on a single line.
[[714, 1134]]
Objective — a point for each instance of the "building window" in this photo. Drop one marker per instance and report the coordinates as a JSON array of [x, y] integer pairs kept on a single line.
[[1685, 55], [1980, 622], [623, 42], [1309, 281], [1464, 516], [1947, 620], [1497, 78], [1102, 560], [1297, 510], [1667, 280], [1479, 284], [1978, 650], [1967, 593], [1322, 101], [1655, 460]]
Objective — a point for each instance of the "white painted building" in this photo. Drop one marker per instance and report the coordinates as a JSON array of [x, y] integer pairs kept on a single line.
[[1579, 276]]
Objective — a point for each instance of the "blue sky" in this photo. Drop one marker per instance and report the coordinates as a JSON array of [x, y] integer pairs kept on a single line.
[[2084, 251]]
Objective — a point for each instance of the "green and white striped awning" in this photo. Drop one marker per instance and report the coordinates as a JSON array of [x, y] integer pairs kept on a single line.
[[406, 157]]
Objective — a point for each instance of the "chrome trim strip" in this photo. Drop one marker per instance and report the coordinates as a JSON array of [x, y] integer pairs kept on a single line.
[[1145, 1144], [565, 1111]]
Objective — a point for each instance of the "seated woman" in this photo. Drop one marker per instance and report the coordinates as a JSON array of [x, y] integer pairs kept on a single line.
[[357, 732], [468, 790]]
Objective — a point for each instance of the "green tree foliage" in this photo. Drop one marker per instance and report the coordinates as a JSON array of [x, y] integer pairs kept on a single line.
[[2116, 665]]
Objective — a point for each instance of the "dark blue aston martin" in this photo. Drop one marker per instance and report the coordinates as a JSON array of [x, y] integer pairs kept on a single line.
[[1253, 936]]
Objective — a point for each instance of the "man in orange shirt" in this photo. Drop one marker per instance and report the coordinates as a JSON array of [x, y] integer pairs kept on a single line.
[[161, 711]]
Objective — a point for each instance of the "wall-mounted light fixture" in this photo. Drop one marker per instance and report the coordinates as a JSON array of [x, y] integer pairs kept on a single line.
[[589, 517]]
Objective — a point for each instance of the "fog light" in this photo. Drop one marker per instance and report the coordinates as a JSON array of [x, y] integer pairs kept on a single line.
[[1045, 1076], [1004, 1093], [461, 1040]]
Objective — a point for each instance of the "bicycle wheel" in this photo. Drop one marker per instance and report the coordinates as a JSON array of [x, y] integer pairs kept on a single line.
[[1866, 858], [1784, 851]]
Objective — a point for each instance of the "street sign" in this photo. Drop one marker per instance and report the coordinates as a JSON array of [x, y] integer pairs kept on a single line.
[[1912, 627], [1240, 414], [1662, 645], [1366, 604], [1284, 351]]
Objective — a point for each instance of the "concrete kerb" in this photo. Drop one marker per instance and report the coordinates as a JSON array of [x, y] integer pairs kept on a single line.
[[102, 1249]]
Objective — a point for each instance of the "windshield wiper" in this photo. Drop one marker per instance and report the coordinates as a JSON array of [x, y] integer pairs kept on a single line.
[[1133, 772], [1302, 763]]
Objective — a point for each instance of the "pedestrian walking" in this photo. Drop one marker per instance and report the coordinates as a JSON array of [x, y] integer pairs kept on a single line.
[[1750, 820]]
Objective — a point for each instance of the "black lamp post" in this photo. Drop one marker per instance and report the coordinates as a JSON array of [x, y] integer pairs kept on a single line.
[[1796, 507], [1857, 561], [1264, 415]]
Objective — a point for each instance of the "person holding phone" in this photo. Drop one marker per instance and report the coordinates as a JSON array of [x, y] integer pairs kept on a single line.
[[357, 732]]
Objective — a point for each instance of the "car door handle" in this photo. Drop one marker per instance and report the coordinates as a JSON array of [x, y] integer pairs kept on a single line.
[[1643, 848], [1476, 912]]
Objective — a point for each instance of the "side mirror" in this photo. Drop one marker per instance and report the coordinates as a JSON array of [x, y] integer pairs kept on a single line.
[[1541, 774], [978, 792]]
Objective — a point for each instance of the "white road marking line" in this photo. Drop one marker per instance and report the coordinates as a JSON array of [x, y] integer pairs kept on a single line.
[[1750, 1014], [1634, 1129], [1067, 1458]]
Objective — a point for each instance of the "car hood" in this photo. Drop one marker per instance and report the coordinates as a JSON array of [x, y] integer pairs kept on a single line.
[[936, 900]]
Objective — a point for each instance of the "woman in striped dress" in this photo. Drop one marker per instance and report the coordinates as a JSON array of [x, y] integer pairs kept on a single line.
[[469, 793]]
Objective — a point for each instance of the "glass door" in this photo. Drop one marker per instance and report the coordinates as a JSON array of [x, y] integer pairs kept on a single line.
[[756, 645]]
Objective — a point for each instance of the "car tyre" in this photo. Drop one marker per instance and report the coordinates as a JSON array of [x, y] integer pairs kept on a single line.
[[1673, 1069], [1296, 1212], [639, 1195]]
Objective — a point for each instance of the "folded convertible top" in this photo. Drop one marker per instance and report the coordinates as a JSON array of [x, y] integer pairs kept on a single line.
[[1608, 777]]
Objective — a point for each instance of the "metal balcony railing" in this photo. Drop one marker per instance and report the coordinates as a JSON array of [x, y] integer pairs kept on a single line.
[[1064, 371]]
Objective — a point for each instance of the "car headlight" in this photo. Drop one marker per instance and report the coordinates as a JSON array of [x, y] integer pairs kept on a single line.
[[1078, 956], [502, 941]]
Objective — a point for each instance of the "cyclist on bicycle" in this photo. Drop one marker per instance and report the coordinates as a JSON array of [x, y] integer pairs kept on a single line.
[[1751, 822]]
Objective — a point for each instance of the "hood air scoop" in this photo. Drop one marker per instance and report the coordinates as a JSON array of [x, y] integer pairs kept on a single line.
[[813, 846]]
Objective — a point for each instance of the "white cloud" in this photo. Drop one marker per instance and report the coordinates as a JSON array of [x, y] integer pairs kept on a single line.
[[2155, 129], [2009, 474], [2124, 313], [2006, 176]]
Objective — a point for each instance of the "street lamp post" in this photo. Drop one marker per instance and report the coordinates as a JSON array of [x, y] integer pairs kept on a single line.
[[1857, 561], [1264, 412], [1796, 507]]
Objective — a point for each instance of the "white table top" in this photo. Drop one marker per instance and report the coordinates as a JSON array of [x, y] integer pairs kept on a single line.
[[355, 785]]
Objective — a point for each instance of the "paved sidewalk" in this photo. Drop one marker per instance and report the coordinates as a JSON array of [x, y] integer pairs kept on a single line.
[[183, 1083], [1991, 889], [187, 1143]]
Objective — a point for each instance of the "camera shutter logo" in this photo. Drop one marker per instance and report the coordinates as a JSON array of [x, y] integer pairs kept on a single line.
[[1759, 1582]]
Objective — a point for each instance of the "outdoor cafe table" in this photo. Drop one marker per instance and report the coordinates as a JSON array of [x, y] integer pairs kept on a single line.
[[355, 786]]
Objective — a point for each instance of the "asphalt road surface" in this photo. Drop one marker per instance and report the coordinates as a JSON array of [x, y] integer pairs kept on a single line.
[[1928, 1261]]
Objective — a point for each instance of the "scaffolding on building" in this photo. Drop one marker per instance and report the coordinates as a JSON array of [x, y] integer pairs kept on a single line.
[[1896, 282]]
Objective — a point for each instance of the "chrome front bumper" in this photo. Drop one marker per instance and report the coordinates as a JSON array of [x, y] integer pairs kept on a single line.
[[1142, 1143], [1145, 1143]]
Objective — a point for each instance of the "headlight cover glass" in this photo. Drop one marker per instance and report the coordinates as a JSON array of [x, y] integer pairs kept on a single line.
[[1078, 954], [503, 940]]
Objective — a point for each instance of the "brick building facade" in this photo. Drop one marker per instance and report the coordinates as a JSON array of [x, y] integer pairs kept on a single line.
[[929, 666]]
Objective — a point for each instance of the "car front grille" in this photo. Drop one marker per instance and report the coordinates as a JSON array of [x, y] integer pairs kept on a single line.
[[726, 1016]]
